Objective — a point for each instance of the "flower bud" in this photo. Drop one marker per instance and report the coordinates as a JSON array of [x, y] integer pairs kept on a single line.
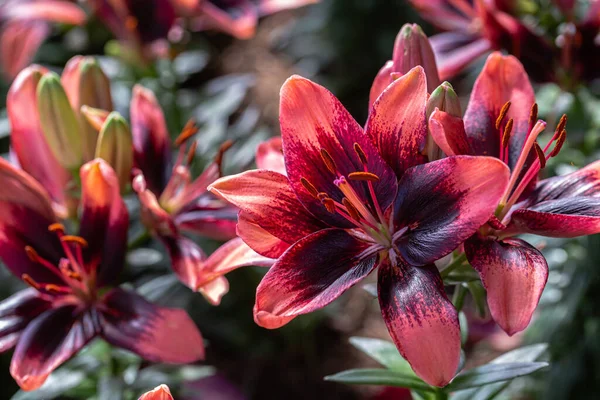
[[412, 48], [115, 147], [59, 122], [444, 98], [95, 117], [86, 84]]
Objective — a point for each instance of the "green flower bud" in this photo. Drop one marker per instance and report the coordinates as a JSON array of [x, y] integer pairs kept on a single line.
[[115, 146]]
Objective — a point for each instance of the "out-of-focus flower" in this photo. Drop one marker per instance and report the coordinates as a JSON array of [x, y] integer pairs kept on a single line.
[[147, 25], [356, 199], [70, 302], [501, 121], [475, 28], [49, 136], [161, 392], [25, 24], [172, 202]]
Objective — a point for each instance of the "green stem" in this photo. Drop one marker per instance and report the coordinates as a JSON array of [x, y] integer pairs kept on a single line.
[[458, 298], [441, 394], [457, 262], [139, 240]]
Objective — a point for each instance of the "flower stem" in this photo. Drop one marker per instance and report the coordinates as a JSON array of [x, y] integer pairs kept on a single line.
[[457, 262]]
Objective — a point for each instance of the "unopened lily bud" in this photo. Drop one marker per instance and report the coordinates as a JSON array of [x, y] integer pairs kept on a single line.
[[95, 117], [412, 48], [59, 122], [445, 99], [86, 84], [115, 146]]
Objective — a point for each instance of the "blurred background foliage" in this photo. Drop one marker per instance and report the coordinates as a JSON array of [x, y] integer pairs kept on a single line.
[[231, 88]]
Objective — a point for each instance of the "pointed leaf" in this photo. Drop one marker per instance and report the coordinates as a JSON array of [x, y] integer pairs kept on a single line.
[[383, 377], [383, 352], [491, 373]]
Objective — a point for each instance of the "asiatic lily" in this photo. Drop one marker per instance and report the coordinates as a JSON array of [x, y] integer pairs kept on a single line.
[[146, 26], [161, 392], [172, 202], [25, 24], [70, 301], [501, 121], [355, 200], [475, 28], [49, 136]]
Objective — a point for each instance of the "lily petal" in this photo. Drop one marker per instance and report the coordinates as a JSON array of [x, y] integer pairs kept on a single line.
[[158, 334], [259, 239], [455, 50], [312, 119], [267, 198], [311, 274], [161, 392], [502, 79], [216, 222], [269, 155], [382, 80], [16, 312], [187, 259], [27, 138], [242, 26], [397, 122], [214, 290], [514, 274], [47, 342], [19, 42], [104, 220], [421, 320], [151, 143], [47, 10], [449, 134], [444, 202]]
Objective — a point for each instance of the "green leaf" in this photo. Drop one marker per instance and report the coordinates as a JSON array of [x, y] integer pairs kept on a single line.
[[383, 352], [478, 293], [491, 373], [487, 392], [383, 377], [58, 383]]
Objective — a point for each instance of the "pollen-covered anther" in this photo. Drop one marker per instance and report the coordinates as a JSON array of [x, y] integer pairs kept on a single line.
[[53, 288], [540, 154], [495, 223], [56, 227], [559, 143], [328, 160], [322, 195], [191, 154], [189, 130], [32, 254], [29, 280], [310, 188], [329, 204], [507, 132], [360, 153], [74, 239], [351, 209], [562, 123], [222, 150], [363, 176], [502, 114], [533, 114]]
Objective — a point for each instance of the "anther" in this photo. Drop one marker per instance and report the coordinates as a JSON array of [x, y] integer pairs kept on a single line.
[[360, 153], [189, 130], [540, 154], [559, 143], [503, 112], [74, 239], [351, 209], [309, 188], [224, 147], [329, 204], [53, 288], [191, 153], [31, 254], [363, 176], [29, 280], [328, 161], [322, 195], [533, 114], [561, 124], [56, 227], [495, 223], [507, 133]]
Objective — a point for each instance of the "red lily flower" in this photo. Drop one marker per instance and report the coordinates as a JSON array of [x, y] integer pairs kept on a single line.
[[161, 392], [477, 27], [146, 25], [25, 24], [173, 203], [356, 199], [68, 305], [501, 122]]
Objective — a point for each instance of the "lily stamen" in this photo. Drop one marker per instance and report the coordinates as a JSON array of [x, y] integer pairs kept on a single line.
[[310, 188], [502, 114], [328, 160], [363, 176], [360, 153]]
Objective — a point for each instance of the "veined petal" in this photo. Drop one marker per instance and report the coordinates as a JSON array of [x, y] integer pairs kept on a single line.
[[259, 239], [47, 342], [454, 51], [214, 290], [311, 274], [269, 155], [19, 41], [151, 143], [514, 274], [397, 122], [104, 220], [158, 334], [27, 139], [267, 198], [444, 202], [382, 80], [448, 132], [216, 221], [502, 79], [312, 119], [187, 259], [161, 392], [16, 312], [421, 320], [153, 215]]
